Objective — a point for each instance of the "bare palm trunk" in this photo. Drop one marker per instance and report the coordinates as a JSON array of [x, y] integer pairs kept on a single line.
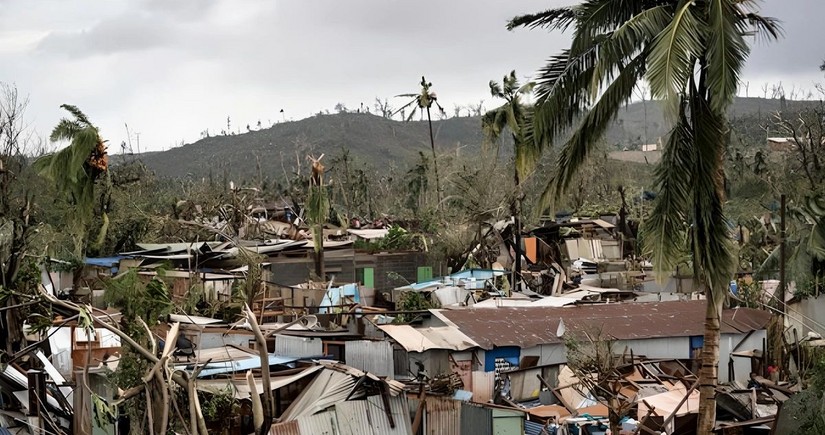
[[515, 209], [320, 270], [435, 162], [709, 373]]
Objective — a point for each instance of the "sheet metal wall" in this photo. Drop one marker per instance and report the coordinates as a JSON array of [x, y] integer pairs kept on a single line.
[[483, 384], [286, 428], [298, 346], [375, 357], [547, 353], [443, 416], [476, 420], [666, 347], [401, 362], [324, 423], [362, 417]]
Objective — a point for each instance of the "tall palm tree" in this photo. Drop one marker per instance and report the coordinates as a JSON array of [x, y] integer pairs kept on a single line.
[[423, 101], [317, 210], [513, 116], [691, 53], [74, 170]]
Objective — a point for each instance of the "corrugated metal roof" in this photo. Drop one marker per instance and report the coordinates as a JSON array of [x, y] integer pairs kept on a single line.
[[530, 326], [744, 320], [368, 417], [240, 387], [240, 365], [522, 327], [370, 356], [327, 389], [422, 339], [298, 346]]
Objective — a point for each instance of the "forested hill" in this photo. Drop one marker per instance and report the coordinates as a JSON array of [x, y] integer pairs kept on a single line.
[[382, 142]]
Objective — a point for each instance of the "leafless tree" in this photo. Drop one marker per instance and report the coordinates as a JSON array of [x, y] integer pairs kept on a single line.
[[16, 228], [807, 128]]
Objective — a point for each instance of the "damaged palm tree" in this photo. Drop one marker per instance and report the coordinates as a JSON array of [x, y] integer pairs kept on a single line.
[[423, 101], [691, 53], [317, 212], [513, 116], [74, 170]]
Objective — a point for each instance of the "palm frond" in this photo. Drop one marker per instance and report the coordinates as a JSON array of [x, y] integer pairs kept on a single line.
[[68, 171], [667, 222], [673, 54], [552, 19], [561, 96], [496, 90], [813, 210], [713, 251], [765, 28], [66, 129], [592, 127], [726, 53], [78, 114], [626, 41]]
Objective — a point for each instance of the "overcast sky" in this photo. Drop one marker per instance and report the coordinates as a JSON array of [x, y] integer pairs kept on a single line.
[[172, 68]]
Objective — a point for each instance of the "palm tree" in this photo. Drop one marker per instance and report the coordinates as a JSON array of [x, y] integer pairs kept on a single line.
[[317, 210], [74, 171], [423, 101], [691, 53], [513, 115]]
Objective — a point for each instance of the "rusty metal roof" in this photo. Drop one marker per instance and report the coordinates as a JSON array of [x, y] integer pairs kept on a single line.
[[530, 326]]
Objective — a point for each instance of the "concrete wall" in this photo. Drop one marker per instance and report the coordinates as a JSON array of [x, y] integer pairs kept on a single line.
[[346, 265], [807, 315], [404, 264]]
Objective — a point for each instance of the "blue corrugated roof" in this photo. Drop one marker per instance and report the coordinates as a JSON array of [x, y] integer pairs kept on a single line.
[[533, 428], [478, 274], [111, 262], [218, 368]]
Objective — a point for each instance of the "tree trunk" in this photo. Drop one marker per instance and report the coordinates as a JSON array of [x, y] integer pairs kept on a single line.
[[435, 162], [515, 209], [320, 270], [709, 373]]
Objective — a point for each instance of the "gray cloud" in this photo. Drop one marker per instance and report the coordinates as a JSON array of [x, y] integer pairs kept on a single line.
[[171, 69]]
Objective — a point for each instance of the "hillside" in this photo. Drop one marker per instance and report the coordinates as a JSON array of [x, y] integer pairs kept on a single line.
[[370, 138], [383, 142]]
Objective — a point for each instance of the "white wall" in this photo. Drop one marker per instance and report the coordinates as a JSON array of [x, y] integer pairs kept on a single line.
[[741, 366], [807, 315], [548, 354], [675, 347]]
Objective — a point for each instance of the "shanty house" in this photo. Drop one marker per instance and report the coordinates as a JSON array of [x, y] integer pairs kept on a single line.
[[509, 338]]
